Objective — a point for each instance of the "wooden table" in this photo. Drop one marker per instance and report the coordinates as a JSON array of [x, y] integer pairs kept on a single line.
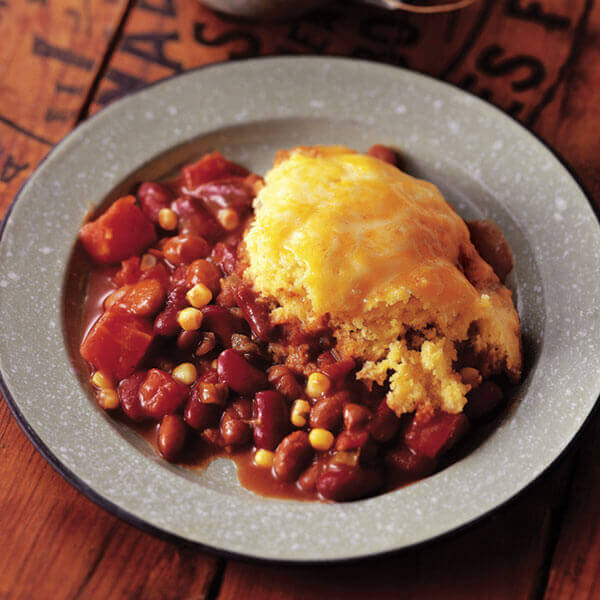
[[61, 60]]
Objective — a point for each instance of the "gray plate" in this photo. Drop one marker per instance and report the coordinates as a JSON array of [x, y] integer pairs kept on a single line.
[[487, 166]]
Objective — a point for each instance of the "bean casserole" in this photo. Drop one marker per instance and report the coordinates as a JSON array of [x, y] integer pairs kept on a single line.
[[335, 327]]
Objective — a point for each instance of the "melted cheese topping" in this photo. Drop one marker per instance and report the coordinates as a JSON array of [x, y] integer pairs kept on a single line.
[[350, 240]]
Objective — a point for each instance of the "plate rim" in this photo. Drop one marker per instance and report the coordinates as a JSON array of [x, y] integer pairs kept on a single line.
[[144, 525]]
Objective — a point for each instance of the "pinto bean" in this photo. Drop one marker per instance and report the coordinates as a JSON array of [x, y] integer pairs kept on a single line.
[[234, 431], [340, 482], [355, 415], [292, 456], [307, 482], [403, 462], [351, 440], [202, 271], [172, 434], [183, 249], [327, 413], [285, 381]]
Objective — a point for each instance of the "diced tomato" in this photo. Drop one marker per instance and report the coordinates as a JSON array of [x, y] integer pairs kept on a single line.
[[209, 167], [158, 272], [161, 395], [129, 272], [144, 298], [121, 231], [429, 437], [117, 343]]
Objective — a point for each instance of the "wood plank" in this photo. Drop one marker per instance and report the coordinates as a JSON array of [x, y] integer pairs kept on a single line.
[[58, 544], [575, 569], [502, 557], [51, 53]]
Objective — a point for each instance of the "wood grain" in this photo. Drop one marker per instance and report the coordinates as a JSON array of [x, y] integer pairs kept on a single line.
[[50, 56], [58, 544], [502, 557], [537, 60]]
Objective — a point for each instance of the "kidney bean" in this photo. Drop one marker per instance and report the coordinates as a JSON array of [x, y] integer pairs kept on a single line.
[[255, 312], [188, 340], [172, 433], [483, 400], [355, 415], [222, 322], [327, 413], [239, 374], [383, 153], [160, 394], [271, 419], [194, 219], [234, 431], [341, 482], [403, 462], [129, 397], [166, 323], [285, 382], [307, 482], [202, 271], [230, 192], [143, 298], [183, 249], [338, 371], [491, 244], [292, 456], [435, 434], [152, 198], [201, 415], [351, 440], [225, 256], [385, 424]]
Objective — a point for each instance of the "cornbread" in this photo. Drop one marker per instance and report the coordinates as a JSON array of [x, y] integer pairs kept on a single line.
[[350, 242]]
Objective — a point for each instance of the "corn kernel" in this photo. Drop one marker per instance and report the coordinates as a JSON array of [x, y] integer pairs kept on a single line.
[[264, 458], [317, 384], [320, 439], [185, 373], [190, 318], [470, 376], [108, 399], [167, 219], [199, 295], [228, 218], [102, 381], [300, 410]]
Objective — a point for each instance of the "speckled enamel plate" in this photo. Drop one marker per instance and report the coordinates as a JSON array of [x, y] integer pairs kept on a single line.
[[486, 165]]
